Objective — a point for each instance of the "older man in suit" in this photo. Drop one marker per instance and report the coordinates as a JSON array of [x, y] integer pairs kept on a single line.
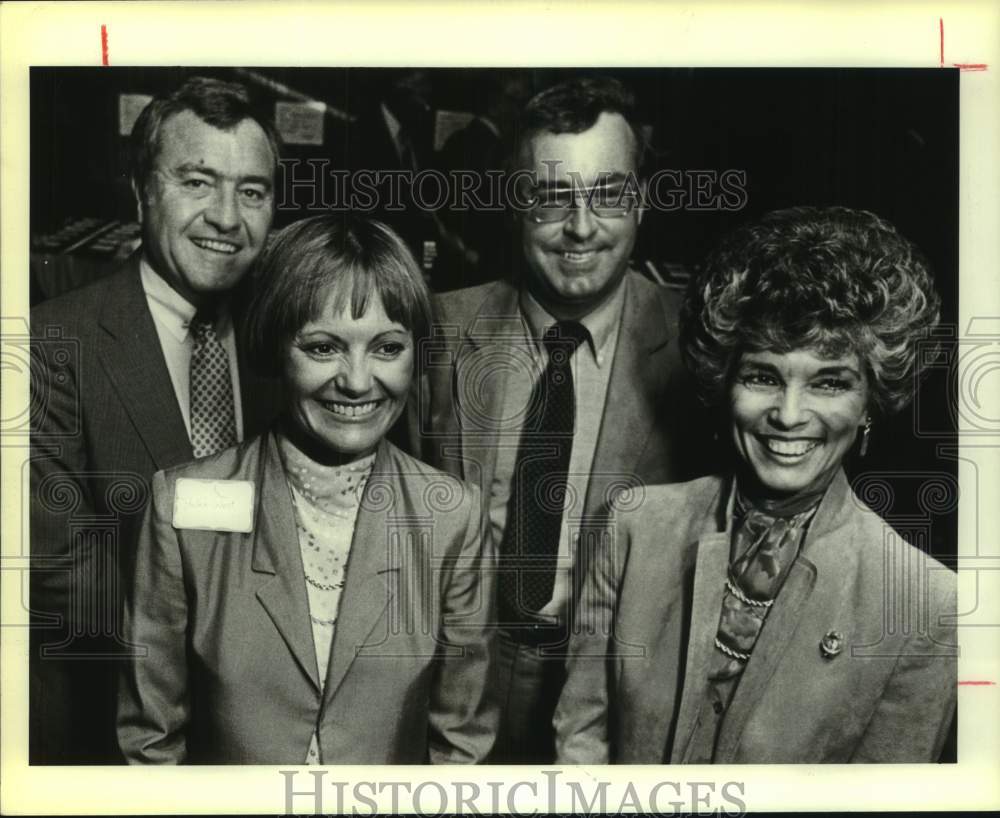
[[137, 372], [556, 389]]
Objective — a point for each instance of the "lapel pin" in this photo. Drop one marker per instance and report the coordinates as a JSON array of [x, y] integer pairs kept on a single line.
[[831, 644]]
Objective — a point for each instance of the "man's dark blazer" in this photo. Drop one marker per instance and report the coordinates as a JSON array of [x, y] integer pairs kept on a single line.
[[104, 419], [650, 431], [476, 148], [369, 147]]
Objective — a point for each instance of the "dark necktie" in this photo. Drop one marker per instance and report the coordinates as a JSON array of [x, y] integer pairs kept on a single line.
[[538, 487], [213, 417]]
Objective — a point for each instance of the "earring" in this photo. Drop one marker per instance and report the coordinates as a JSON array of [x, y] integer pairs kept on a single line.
[[864, 437]]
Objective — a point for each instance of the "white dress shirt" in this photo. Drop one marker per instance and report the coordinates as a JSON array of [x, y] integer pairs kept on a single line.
[[591, 367], [172, 316]]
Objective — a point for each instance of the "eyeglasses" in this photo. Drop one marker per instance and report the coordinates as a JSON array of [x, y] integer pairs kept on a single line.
[[556, 205]]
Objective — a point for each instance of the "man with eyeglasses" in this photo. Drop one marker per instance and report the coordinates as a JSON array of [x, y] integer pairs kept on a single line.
[[556, 390]]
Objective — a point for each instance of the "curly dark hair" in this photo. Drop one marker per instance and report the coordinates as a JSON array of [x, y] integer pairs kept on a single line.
[[832, 279]]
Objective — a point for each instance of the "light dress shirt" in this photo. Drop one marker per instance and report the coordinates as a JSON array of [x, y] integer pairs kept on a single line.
[[172, 316], [591, 366]]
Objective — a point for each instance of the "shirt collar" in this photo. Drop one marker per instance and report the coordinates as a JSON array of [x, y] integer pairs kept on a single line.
[[169, 307], [601, 324]]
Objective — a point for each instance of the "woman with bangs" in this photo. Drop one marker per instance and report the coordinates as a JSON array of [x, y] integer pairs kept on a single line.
[[767, 615], [315, 595]]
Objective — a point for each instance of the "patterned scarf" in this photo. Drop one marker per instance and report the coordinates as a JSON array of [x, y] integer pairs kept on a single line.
[[767, 536]]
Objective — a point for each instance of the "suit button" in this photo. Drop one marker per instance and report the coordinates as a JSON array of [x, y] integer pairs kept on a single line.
[[717, 706]]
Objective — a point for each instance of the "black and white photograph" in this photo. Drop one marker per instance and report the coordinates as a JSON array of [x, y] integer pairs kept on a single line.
[[507, 421]]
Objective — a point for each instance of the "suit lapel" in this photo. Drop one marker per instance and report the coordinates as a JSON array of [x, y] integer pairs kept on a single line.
[[276, 552], [134, 363], [663, 641], [639, 371], [481, 369], [775, 636], [822, 557], [711, 563], [372, 583], [639, 376]]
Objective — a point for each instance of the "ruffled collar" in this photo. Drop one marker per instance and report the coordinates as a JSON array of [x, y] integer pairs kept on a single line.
[[330, 488]]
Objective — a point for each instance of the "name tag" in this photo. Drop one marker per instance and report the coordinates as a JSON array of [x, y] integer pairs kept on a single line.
[[213, 505]]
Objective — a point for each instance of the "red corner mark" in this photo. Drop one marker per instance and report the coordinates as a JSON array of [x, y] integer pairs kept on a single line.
[[104, 44], [961, 66], [978, 683]]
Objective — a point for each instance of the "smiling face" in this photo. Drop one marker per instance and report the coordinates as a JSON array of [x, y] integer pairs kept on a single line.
[[208, 204], [347, 379], [577, 264], [795, 415]]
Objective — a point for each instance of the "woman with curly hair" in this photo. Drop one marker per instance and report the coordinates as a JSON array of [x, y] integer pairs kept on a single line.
[[766, 615]]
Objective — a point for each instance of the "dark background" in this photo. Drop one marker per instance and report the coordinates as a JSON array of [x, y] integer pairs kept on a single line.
[[881, 139], [885, 140]]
